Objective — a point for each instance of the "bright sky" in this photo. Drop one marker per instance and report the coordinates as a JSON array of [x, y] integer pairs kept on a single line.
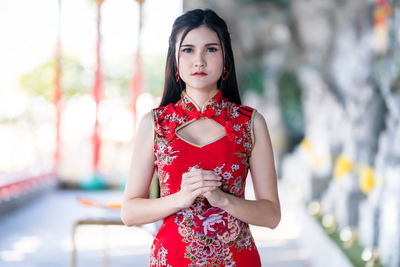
[[28, 31]]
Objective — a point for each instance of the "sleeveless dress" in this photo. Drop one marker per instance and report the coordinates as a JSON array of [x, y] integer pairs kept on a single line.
[[202, 235]]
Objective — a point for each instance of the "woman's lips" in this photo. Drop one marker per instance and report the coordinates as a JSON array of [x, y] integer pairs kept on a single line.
[[199, 74]]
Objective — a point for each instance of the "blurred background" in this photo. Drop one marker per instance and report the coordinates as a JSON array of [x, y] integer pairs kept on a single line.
[[76, 77]]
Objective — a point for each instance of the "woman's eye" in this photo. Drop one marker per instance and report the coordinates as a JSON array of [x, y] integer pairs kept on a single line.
[[187, 50], [212, 49]]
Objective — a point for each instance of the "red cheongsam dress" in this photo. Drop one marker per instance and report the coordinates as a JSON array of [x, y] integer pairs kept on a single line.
[[203, 235]]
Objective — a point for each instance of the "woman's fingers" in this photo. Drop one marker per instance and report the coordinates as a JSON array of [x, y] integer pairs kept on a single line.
[[200, 179], [197, 182], [202, 190], [201, 184], [199, 175], [195, 171]]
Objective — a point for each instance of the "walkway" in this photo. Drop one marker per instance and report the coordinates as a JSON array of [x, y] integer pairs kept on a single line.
[[39, 234]]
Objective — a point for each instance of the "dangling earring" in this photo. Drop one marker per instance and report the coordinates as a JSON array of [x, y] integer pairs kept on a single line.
[[225, 74], [177, 76]]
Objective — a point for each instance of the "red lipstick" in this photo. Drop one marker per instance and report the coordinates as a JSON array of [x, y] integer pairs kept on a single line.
[[199, 73]]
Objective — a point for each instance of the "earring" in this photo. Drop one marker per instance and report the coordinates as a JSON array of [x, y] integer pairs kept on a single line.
[[177, 76], [225, 74]]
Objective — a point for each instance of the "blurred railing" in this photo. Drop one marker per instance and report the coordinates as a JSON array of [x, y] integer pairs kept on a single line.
[[17, 188]]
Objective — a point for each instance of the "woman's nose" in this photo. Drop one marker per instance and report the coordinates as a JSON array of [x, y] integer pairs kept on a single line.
[[199, 60]]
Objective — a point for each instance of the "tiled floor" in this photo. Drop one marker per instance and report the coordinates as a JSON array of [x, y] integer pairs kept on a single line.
[[39, 234]]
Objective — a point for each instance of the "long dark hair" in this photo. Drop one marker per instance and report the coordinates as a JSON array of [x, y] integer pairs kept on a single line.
[[187, 22]]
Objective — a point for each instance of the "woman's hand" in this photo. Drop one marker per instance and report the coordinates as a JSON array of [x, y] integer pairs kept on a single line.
[[195, 183], [216, 198]]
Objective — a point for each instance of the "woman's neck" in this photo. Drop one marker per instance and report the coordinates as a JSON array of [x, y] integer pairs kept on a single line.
[[200, 97]]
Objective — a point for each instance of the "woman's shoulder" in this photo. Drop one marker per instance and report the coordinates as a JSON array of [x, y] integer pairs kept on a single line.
[[147, 120]]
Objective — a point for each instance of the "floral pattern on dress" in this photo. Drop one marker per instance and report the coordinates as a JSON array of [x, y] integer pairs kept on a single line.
[[159, 260], [209, 235], [165, 155], [208, 230]]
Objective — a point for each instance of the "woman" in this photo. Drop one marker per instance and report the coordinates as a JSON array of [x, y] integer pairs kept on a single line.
[[202, 142]]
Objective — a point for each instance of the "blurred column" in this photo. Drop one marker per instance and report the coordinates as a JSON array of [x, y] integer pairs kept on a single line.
[[57, 88], [97, 91], [136, 82]]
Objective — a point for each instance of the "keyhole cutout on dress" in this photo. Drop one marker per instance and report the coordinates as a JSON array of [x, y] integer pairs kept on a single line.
[[201, 132]]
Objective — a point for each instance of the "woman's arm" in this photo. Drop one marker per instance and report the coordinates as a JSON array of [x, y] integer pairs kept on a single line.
[[265, 210], [136, 207]]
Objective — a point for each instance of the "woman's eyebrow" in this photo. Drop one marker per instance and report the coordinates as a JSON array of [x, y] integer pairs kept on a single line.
[[208, 44]]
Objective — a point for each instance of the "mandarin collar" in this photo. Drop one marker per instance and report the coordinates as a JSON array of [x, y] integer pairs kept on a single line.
[[189, 107], [214, 107]]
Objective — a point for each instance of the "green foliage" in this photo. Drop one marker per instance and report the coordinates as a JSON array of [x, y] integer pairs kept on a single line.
[[250, 76], [153, 75], [75, 79], [290, 103], [40, 81]]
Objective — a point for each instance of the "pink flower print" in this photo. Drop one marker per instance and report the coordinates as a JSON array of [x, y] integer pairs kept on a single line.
[[227, 175], [236, 127], [232, 232], [183, 231], [201, 262], [210, 223], [195, 248], [235, 113], [218, 170], [246, 234], [230, 263], [201, 250], [235, 167]]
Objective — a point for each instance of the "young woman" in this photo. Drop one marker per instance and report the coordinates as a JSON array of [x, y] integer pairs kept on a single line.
[[202, 142]]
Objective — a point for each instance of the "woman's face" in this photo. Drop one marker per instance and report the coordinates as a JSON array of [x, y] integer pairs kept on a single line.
[[200, 59]]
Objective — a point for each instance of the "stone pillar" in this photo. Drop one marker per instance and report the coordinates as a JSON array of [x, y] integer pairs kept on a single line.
[[389, 163]]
